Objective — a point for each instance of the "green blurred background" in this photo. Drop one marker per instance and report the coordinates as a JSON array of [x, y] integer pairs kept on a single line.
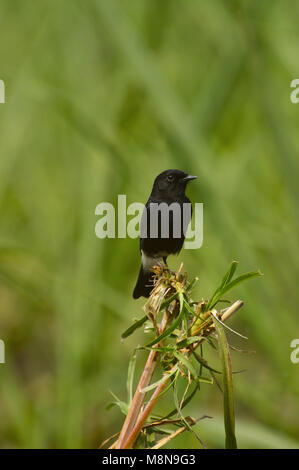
[[101, 96]]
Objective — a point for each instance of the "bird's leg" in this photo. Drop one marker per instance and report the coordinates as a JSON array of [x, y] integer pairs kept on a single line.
[[166, 265]]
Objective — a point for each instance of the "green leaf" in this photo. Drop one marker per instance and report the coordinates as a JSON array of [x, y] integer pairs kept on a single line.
[[165, 377], [190, 340], [132, 328], [130, 379], [190, 310], [203, 363], [179, 411], [242, 278], [228, 393], [121, 404], [172, 381], [185, 402], [231, 285], [230, 273], [191, 368], [226, 278], [211, 342]]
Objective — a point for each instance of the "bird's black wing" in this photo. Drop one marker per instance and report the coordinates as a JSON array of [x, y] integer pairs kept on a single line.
[[153, 241]]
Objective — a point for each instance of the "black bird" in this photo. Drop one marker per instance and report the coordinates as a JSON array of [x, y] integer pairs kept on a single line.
[[162, 233]]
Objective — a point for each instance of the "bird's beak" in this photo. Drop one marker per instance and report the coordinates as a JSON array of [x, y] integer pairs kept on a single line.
[[189, 178]]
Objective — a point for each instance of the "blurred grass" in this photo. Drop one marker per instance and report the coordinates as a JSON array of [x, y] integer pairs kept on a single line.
[[100, 97]]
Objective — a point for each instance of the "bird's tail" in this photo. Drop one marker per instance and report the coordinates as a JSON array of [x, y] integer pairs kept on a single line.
[[144, 284]]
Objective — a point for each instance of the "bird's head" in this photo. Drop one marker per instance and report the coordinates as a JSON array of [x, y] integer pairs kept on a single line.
[[172, 182]]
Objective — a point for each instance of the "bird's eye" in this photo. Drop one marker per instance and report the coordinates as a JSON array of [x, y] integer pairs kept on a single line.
[[170, 177]]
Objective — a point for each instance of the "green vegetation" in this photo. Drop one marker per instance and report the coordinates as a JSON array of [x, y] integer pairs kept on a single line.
[[100, 97], [181, 326]]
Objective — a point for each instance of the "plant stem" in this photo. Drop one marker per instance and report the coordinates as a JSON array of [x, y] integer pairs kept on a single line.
[[144, 415], [138, 399]]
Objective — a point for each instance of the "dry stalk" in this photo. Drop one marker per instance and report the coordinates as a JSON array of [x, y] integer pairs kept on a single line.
[[139, 395]]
